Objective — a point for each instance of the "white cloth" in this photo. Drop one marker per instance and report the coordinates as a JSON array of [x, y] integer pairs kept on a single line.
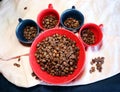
[[95, 11]]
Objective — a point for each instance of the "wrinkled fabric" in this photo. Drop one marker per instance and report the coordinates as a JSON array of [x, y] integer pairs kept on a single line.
[[104, 12]]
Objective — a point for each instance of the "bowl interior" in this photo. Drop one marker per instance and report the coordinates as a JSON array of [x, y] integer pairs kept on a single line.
[[95, 29], [45, 13], [44, 75], [20, 30], [72, 13]]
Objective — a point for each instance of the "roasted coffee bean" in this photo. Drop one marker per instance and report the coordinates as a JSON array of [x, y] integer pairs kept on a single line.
[[93, 61], [17, 65], [18, 58], [30, 32], [36, 78], [34, 75], [57, 55], [92, 69], [49, 21], [25, 8], [71, 23], [88, 36], [99, 62], [99, 68]]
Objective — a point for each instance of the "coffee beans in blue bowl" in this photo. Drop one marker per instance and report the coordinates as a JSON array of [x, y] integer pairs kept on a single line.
[[27, 30]]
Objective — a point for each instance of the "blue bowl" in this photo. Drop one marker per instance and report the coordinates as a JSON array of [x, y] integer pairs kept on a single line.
[[72, 13], [20, 28]]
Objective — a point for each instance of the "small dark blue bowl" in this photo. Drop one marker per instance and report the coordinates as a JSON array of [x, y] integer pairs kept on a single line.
[[72, 13], [20, 28]]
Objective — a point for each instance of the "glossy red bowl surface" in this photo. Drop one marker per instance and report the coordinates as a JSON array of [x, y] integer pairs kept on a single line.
[[56, 79]]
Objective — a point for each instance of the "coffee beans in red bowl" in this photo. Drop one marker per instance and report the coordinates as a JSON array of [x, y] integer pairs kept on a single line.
[[48, 18], [91, 34], [57, 56]]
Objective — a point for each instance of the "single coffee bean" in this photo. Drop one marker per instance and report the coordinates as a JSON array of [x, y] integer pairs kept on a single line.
[[92, 69], [19, 58], [17, 65], [34, 75], [25, 8]]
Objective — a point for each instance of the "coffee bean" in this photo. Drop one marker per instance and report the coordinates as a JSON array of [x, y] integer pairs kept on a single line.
[[19, 58], [17, 65], [25, 8], [71, 69], [71, 63], [99, 62], [92, 69], [99, 68], [42, 68], [57, 59], [34, 75]]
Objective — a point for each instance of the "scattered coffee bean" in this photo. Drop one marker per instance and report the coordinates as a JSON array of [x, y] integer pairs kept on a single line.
[[71, 23], [98, 62], [15, 64], [49, 21], [88, 36], [30, 32], [34, 75], [57, 55], [92, 69], [36, 78], [25, 8], [18, 58]]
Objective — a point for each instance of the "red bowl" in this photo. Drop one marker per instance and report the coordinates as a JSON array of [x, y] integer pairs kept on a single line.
[[49, 11], [56, 79], [96, 29]]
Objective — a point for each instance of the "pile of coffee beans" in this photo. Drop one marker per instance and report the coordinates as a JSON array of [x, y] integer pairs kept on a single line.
[[49, 21], [25, 8], [19, 58], [30, 32], [98, 62], [57, 55], [88, 36], [71, 23]]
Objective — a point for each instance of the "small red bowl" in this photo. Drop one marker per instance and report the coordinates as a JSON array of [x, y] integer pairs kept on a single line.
[[96, 29], [56, 79], [49, 11]]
